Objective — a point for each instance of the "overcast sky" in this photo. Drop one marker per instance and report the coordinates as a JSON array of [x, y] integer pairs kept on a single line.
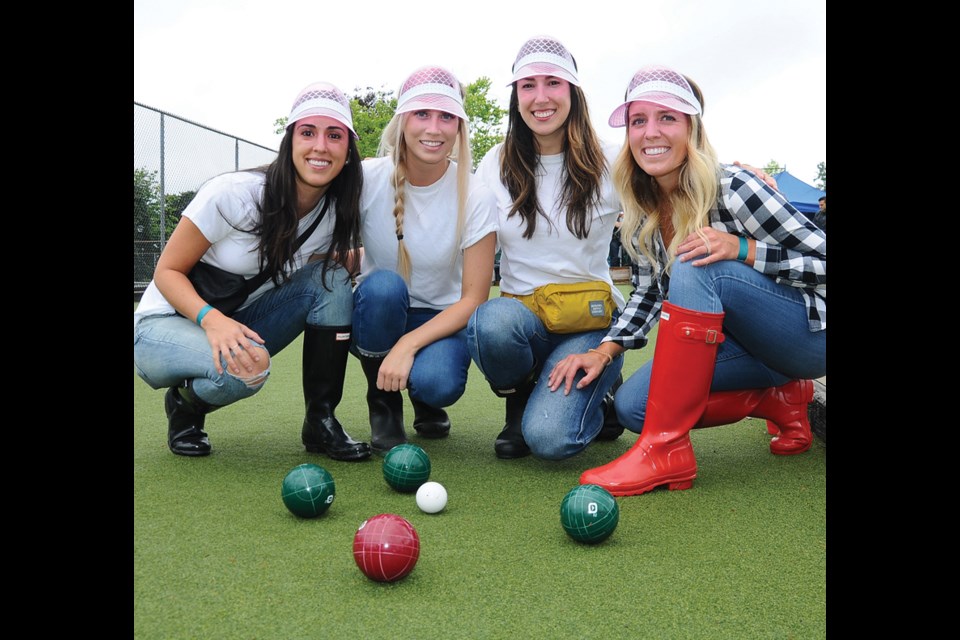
[[237, 65]]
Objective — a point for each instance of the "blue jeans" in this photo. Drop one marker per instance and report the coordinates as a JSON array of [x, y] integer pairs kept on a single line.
[[382, 315], [509, 342], [169, 349], [768, 341]]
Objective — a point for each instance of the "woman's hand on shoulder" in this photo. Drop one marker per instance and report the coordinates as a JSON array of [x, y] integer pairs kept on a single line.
[[760, 173], [231, 339]]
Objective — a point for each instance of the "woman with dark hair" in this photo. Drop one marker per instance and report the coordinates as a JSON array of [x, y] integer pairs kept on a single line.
[[295, 223], [557, 209], [739, 292]]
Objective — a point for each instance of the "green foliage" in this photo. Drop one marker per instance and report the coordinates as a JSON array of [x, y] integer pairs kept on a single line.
[[146, 207], [821, 179], [486, 118], [773, 167], [148, 238], [175, 204], [146, 216], [372, 110]]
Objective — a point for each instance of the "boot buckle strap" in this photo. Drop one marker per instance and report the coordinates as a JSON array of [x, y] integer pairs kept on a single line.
[[699, 334]]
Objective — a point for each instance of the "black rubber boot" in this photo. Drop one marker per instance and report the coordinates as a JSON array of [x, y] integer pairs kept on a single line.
[[611, 428], [325, 352], [185, 417], [430, 422], [386, 410], [510, 443]]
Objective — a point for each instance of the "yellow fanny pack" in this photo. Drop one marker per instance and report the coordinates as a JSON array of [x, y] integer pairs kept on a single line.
[[571, 308]]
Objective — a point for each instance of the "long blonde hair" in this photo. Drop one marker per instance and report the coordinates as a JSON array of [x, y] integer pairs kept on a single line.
[[392, 144], [690, 202]]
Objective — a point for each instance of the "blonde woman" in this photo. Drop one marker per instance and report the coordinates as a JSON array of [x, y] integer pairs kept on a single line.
[[738, 289], [429, 235]]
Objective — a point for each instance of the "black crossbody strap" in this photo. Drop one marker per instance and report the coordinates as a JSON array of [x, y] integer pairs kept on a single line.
[[257, 281]]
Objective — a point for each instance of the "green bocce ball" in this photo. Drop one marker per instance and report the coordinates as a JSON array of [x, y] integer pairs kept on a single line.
[[589, 513], [308, 490], [406, 467]]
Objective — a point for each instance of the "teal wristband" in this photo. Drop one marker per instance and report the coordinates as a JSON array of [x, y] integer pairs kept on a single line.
[[744, 250], [202, 313]]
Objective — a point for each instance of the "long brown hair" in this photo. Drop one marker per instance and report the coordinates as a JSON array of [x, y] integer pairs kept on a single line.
[[584, 164]]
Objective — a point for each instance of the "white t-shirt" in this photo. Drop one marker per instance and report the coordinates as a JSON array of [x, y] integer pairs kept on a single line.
[[429, 230], [553, 253], [222, 208]]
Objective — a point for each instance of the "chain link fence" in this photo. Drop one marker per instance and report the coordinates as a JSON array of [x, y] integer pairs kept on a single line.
[[172, 158]]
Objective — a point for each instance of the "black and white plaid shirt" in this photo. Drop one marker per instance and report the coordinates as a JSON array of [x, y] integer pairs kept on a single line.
[[790, 249]]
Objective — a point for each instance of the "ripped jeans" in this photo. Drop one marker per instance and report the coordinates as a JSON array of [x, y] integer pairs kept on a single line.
[[169, 349]]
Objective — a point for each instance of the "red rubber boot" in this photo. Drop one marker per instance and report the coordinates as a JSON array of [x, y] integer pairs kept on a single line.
[[683, 364], [784, 408]]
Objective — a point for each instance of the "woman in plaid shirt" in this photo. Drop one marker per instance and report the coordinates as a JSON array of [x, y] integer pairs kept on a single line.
[[738, 287]]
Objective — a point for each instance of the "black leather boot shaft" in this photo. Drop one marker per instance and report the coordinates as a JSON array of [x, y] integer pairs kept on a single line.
[[429, 421], [185, 420], [386, 409], [510, 443], [325, 351], [611, 428]]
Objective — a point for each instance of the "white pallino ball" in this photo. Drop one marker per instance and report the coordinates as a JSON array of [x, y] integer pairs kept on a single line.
[[431, 497]]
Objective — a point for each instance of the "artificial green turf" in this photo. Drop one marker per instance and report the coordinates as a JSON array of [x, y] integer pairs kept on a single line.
[[217, 555]]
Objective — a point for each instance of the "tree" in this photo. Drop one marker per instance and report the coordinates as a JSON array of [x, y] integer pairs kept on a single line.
[[821, 179], [372, 110], [485, 116], [175, 204], [773, 167], [146, 205], [148, 238], [146, 217]]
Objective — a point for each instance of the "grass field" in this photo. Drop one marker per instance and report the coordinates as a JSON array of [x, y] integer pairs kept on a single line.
[[217, 555]]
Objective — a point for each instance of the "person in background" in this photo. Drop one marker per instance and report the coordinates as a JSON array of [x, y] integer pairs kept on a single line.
[[246, 223], [429, 234], [820, 217], [615, 258], [739, 291]]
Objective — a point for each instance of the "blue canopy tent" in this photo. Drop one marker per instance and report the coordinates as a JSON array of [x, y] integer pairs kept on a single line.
[[804, 197]]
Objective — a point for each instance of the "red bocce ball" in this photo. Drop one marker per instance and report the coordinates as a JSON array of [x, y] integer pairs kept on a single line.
[[386, 547]]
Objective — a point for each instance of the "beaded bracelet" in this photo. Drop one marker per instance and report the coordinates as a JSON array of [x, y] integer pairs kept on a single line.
[[609, 357]]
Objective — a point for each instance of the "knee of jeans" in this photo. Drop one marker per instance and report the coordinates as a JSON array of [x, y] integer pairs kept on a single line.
[[382, 284], [546, 443], [491, 321], [333, 304], [438, 395], [685, 273], [261, 370]]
